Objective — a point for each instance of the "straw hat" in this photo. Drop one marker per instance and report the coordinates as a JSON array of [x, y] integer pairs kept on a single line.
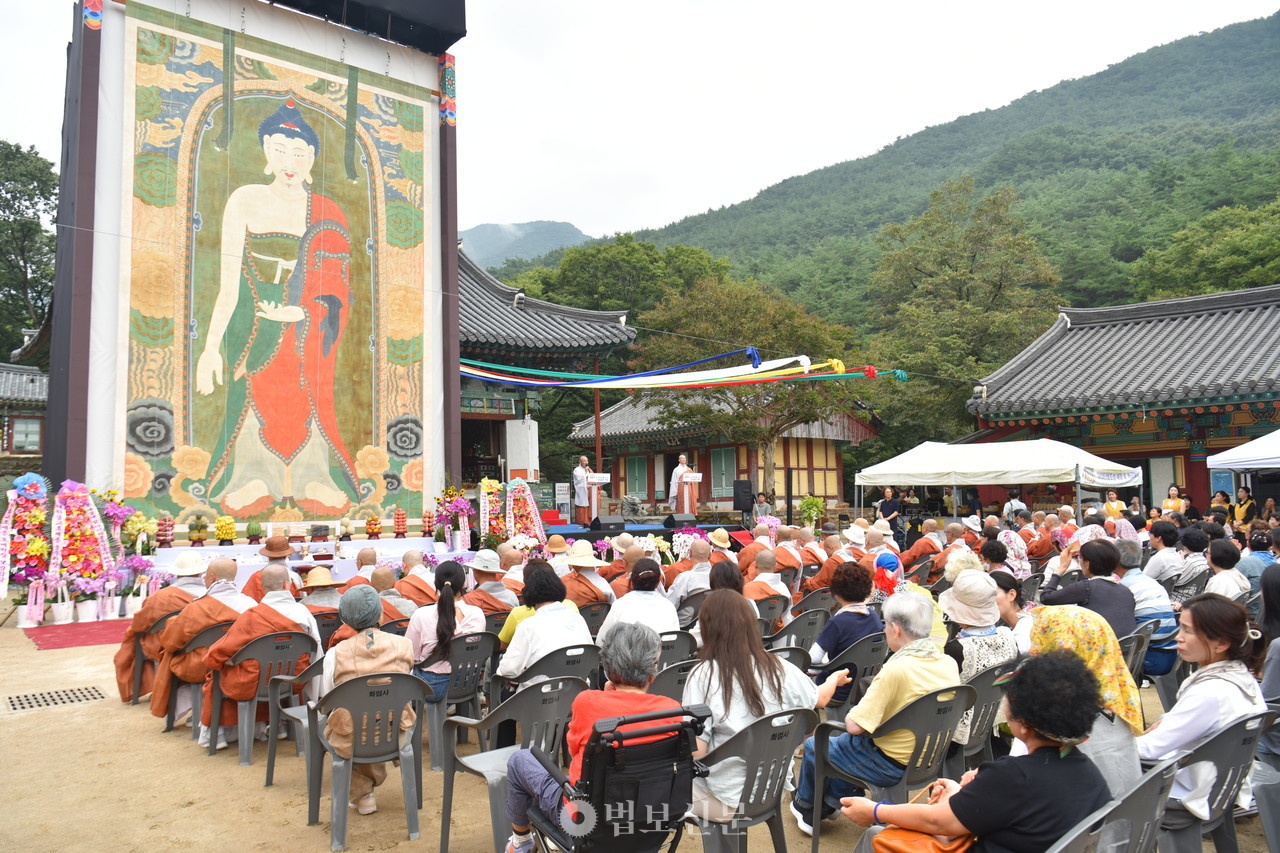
[[720, 538], [188, 565], [277, 546], [582, 556], [556, 544], [486, 560], [882, 526], [971, 600], [319, 578]]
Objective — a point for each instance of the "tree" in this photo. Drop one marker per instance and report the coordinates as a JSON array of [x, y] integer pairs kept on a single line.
[[962, 289], [1229, 249], [28, 201], [717, 315], [623, 274]]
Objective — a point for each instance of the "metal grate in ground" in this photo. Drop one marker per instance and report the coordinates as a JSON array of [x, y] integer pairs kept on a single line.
[[53, 698]]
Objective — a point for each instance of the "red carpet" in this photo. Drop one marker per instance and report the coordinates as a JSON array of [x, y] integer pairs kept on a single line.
[[73, 634]]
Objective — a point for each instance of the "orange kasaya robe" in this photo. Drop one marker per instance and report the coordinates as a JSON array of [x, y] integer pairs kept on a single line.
[[786, 558], [390, 613], [1041, 546], [759, 591], [240, 682], [747, 557], [514, 585], [717, 556], [925, 546], [621, 585], [486, 601], [581, 591], [202, 613], [163, 602], [253, 587], [973, 540], [1027, 534], [823, 578], [613, 570], [671, 572], [417, 590], [355, 581]]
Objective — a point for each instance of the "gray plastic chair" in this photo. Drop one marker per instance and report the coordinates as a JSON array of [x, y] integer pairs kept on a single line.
[[580, 661], [1133, 647], [808, 570], [985, 707], [396, 626], [819, 599], [766, 747], [772, 608], [1127, 824], [276, 654], [796, 656], [1031, 586], [594, 614], [140, 659], [918, 572], [863, 660], [940, 587], [670, 680], [694, 601], [202, 640], [932, 718], [788, 577], [801, 631], [327, 623], [542, 710], [1192, 588], [1231, 749], [376, 703], [1167, 685], [468, 657], [677, 646], [281, 704], [1069, 577], [493, 622]]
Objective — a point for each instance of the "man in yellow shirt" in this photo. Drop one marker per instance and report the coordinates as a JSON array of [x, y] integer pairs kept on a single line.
[[916, 667]]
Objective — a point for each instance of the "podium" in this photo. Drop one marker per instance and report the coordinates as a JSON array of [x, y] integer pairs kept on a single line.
[[594, 483], [687, 497]]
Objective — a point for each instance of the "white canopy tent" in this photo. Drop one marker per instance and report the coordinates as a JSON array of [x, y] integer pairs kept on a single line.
[[1042, 460], [1261, 454]]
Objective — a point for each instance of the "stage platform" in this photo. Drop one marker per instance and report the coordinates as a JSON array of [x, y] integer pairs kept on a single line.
[[577, 531]]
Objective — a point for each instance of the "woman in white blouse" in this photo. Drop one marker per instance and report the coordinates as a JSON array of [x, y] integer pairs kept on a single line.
[[643, 605], [1216, 634]]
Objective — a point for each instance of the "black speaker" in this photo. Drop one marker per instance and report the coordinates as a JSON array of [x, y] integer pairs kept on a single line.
[[744, 495], [680, 519], [610, 523]]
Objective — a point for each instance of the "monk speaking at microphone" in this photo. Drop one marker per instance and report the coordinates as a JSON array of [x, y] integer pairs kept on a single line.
[[187, 571]]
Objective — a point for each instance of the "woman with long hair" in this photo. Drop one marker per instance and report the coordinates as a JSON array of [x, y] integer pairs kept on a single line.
[[1216, 635], [740, 681], [1013, 609], [431, 629], [1174, 501]]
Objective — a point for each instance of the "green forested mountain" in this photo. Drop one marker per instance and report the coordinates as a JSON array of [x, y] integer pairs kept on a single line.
[[1107, 168], [490, 244]]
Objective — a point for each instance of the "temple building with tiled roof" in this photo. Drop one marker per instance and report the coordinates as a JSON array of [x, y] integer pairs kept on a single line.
[[1159, 384]]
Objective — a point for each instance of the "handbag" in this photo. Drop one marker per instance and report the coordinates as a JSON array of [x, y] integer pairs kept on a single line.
[[895, 839]]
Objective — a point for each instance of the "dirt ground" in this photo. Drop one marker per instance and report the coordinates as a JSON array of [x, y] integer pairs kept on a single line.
[[102, 774]]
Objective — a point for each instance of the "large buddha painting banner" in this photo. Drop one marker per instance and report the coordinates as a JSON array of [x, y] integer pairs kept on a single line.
[[277, 272]]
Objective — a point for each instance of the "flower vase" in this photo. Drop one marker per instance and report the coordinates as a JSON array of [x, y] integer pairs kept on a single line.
[[111, 608], [62, 612], [459, 543], [87, 611], [23, 621], [132, 604]]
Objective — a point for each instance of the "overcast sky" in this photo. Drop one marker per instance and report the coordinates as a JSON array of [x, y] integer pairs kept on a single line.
[[617, 116]]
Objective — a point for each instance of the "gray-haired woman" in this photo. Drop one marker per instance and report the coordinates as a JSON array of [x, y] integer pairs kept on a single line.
[[629, 657]]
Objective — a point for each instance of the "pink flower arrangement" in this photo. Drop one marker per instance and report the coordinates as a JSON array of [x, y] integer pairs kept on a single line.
[[80, 547]]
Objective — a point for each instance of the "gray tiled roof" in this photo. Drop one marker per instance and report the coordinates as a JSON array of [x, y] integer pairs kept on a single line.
[[20, 384], [494, 316], [1170, 351]]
